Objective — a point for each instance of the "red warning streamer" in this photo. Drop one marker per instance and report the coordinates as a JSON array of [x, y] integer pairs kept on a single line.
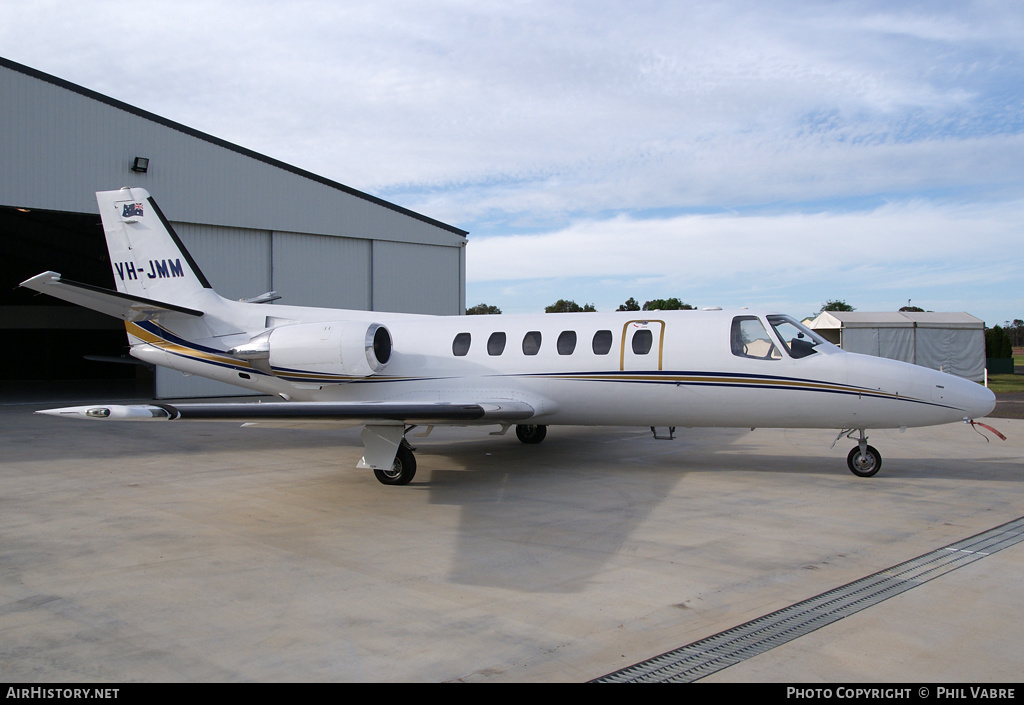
[[985, 425]]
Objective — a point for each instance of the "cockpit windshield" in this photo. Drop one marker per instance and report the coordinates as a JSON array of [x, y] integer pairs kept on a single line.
[[798, 339]]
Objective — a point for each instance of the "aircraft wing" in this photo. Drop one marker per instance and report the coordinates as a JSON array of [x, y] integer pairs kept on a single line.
[[124, 306], [310, 413]]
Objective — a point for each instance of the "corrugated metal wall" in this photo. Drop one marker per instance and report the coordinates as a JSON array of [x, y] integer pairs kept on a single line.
[[421, 278], [59, 146], [251, 223], [323, 271], [236, 261]]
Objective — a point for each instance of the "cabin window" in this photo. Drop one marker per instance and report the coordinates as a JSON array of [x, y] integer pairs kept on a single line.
[[531, 343], [566, 342], [643, 339], [750, 339], [460, 346], [602, 342], [496, 344]]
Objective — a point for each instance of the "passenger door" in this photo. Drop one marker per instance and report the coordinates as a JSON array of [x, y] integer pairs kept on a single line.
[[642, 345]]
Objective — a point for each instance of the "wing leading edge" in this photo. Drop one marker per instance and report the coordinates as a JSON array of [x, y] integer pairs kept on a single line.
[[310, 412]]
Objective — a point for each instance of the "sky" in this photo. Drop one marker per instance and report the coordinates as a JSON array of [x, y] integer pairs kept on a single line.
[[729, 153]]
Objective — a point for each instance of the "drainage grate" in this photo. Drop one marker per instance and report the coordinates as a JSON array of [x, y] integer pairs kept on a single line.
[[704, 657]]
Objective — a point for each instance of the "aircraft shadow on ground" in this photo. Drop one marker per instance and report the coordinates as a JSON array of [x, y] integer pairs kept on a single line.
[[543, 518]]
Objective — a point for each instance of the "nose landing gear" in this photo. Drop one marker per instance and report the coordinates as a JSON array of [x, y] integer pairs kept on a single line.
[[863, 460]]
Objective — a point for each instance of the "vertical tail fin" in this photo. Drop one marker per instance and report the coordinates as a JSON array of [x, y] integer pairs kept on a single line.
[[146, 255]]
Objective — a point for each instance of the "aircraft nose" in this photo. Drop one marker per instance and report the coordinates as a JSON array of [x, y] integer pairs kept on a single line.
[[984, 401], [972, 398]]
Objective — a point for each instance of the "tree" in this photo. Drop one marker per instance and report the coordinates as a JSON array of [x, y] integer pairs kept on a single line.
[[1016, 331], [672, 304], [997, 343], [482, 309], [630, 305], [563, 306], [912, 309], [836, 305]]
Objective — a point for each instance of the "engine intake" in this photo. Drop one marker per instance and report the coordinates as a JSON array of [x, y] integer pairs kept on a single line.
[[344, 348]]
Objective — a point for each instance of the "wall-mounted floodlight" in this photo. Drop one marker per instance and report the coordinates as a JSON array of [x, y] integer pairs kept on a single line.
[[141, 165]]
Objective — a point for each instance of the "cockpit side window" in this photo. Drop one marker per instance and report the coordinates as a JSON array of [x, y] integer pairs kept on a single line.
[[798, 340], [750, 339]]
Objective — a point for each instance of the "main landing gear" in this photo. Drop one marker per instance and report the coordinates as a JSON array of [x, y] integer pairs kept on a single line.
[[531, 434], [863, 460], [402, 470]]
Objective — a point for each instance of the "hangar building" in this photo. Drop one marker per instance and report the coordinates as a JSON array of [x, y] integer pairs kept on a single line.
[[254, 224], [952, 342]]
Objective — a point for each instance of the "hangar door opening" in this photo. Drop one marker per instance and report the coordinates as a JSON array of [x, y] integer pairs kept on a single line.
[[48, 340]]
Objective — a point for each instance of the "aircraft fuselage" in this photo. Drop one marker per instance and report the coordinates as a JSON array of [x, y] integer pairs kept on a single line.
[[688, 376]]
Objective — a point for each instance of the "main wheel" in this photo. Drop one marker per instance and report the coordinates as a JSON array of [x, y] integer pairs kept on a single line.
[[864, 465], [531, 434], [402, 470]]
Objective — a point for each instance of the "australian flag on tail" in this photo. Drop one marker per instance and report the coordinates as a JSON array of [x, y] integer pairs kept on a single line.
[[131, 209]]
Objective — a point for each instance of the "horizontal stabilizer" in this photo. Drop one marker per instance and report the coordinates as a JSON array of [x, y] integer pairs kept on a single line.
[[310, 412], [127, 307]]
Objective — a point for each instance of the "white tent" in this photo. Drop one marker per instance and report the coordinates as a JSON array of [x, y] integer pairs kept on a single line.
[[951, 342]]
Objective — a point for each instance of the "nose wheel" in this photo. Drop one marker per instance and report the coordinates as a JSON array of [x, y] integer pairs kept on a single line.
[[864, 460]]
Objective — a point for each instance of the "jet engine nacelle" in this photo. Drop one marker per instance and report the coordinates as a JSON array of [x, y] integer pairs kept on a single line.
[[347, 348]]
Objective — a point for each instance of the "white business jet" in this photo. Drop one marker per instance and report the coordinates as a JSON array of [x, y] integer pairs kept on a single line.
[[390, 372]]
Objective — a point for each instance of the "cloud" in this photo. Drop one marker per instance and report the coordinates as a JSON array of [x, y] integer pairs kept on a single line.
[[788, 261], [738, 136], [387, 95]]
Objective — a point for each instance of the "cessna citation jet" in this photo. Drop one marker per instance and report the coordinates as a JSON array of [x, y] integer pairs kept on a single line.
[[390, 372]]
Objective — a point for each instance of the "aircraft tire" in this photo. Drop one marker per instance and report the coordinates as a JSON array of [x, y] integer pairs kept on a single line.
[[402, 470], [866, 465], [531, 434]]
